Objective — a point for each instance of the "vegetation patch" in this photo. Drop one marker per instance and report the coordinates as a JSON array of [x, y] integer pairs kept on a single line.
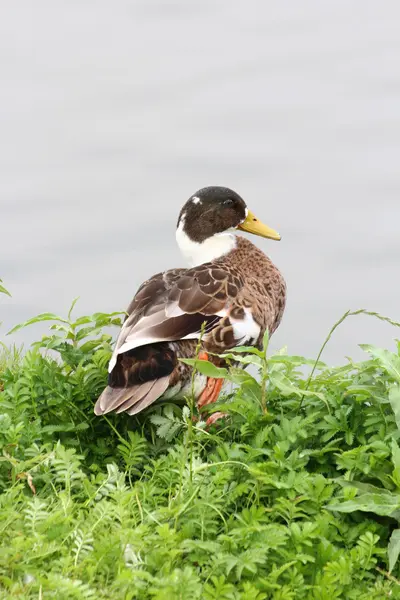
[[294, 495]]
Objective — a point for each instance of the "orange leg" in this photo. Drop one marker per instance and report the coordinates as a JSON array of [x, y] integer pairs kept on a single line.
[[210, 393], [212, 389]]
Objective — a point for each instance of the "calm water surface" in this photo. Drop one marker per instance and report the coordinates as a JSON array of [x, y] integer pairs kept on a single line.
[[113, 114]]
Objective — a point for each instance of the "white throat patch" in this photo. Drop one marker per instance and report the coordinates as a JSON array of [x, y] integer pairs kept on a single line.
[[197, 253]]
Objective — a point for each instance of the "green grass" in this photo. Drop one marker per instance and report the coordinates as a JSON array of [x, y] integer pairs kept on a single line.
[[295, 495]]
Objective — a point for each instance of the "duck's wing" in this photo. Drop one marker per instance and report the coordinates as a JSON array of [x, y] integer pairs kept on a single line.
[[171, 307], [174, 305]]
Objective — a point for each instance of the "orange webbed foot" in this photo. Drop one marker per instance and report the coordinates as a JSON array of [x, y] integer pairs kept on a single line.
[[215, 417]]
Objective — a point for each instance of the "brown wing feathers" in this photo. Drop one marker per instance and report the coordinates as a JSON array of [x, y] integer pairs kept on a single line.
[[142, 374], [142, 364], [172, 306]]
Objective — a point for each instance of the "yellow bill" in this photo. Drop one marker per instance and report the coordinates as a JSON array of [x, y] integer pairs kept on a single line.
[[252, 225]]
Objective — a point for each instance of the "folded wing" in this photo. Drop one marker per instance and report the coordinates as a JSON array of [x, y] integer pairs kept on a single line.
[[174, 305]]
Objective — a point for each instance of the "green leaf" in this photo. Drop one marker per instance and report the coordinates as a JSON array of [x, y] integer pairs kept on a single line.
[[239, 376], [3, 290], [284, 385], [100, 319], [65, 427], [205, 367], [388, 360], [82, 321], [86, 331], [65, 328], [395, 455], [295, 361], [383, 504], [74, 301], [363, 487], [251, 359], [106, 316], [38, 319], [246, 350], [394, 549], [265, 341], [394, 399], [251, 390], [90, 345]]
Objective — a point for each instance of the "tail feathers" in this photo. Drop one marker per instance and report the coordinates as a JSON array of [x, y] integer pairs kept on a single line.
[[113, 397], [135, 398], [136, 406]]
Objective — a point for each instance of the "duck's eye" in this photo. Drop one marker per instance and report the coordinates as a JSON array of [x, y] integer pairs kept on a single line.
[[228, 202]]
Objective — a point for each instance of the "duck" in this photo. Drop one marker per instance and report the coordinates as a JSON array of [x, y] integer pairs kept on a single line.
[[228, 296]]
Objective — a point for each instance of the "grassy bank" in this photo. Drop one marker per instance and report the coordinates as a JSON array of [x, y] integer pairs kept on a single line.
[[295, 495]]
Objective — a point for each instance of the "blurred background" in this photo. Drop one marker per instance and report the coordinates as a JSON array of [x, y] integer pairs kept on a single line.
[[114, 113]]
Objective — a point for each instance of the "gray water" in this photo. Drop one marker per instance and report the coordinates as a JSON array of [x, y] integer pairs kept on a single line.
[[114, 113]]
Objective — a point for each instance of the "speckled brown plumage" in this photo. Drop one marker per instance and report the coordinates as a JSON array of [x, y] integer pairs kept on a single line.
[[233, 299]]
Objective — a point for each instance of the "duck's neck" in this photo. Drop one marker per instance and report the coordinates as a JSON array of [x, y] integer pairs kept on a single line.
[[212, 248]]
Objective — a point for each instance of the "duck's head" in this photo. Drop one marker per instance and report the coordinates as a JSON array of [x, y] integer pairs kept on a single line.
[[208, 221]]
